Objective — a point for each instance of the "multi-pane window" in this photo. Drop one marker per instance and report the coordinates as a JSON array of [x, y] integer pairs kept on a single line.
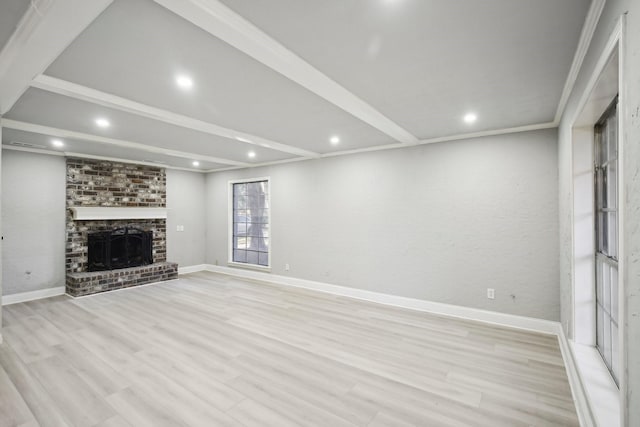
[[250, 224], [606, 197]]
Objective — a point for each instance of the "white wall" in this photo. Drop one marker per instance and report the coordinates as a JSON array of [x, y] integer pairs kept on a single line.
[[33, 217], [439, 222], [186, 206]]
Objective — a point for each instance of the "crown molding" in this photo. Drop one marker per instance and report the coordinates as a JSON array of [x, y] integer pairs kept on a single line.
[[220, 21], [272, 163], [67, 134], [45, 30], [458, 137], [586, 35], [83, 93]]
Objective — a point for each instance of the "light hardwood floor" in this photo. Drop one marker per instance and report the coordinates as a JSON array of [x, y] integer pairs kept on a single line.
[[213, 350]]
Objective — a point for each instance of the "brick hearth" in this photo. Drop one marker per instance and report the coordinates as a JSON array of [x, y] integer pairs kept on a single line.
[[79, 284]]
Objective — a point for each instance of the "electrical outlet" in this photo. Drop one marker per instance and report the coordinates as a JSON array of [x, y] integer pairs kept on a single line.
[[286, 267], [491, 293]]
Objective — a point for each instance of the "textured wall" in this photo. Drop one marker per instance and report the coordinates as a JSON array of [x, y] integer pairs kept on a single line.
[[185, 201], [631, 163], [103, 183], [33, 215], [439, 222]]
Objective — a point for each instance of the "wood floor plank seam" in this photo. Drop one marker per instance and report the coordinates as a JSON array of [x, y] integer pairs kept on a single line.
[[211, 349]]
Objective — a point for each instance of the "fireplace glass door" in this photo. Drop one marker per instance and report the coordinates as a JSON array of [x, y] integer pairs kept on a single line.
[[119, 248]]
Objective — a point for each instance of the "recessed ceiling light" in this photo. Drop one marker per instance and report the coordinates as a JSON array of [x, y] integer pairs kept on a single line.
[[184, 82], [470, 118], [103, 123], [251, 154], [195, 163], [334, 140], [57, 143]]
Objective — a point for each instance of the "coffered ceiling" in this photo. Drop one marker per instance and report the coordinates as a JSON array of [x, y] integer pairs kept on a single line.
[[237, 83]]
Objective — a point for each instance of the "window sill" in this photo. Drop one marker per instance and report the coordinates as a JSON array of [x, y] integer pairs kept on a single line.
[[602, 392], [249, 266]]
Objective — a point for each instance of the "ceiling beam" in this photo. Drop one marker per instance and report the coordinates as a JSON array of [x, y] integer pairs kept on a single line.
[[79, 136], [83, 93], [90, 156], [223, 23], [45, 30]]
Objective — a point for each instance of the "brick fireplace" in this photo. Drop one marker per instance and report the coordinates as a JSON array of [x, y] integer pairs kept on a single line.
[[131, 195]]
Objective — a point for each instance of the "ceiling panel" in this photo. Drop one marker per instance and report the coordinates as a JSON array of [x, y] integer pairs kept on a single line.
[[129, 51], [48, 109], [425, 63], [11, 11], [29, 140]]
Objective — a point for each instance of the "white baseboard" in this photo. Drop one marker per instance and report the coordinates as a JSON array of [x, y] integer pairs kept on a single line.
[[192, 269], [32, 295], [502, 319], [582, 403], [510, 320], [580, 398]]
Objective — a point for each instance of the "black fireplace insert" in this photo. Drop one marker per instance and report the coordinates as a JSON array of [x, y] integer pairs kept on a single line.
[[119, 248]]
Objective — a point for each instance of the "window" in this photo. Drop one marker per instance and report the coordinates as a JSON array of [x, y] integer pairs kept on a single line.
[[250, 216], [606, 231]]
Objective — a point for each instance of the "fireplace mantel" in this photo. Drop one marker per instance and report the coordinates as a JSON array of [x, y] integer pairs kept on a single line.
[[89, 213]]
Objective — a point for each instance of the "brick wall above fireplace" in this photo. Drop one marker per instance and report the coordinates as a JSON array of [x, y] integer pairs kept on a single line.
[[94, 183]]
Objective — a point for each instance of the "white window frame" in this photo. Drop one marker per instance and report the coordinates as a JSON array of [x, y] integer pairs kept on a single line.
[[230, 261], [604, 400], [607, 257]]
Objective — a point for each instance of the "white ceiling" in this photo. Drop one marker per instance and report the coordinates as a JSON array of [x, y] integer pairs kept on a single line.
[[278, 78], [30, 141], [49, 109], [423, 63]]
